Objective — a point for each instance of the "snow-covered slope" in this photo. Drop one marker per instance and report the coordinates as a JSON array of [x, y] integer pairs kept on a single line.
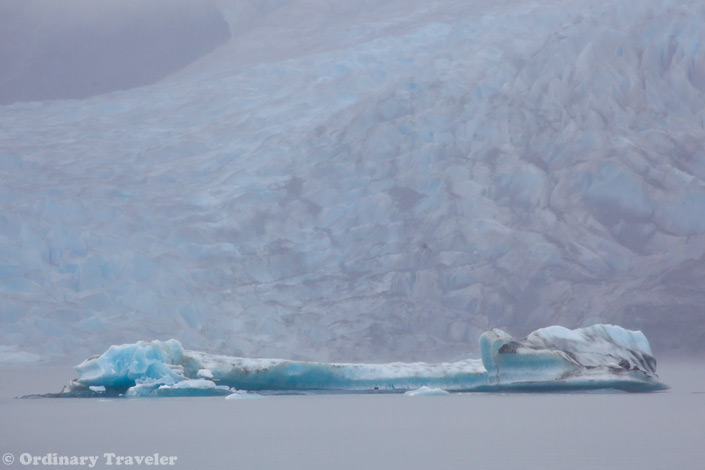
[[365, 181]]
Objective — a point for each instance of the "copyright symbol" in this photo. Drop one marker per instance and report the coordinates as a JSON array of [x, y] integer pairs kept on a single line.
[[8, 458]]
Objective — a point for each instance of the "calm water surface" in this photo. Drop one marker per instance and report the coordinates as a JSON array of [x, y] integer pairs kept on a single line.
[[663, 430]]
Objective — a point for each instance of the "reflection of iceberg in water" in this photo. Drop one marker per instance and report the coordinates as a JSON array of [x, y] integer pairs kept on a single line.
[[549, 359]]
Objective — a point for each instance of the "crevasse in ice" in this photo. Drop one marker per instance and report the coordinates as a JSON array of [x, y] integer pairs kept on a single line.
[[551, 359]]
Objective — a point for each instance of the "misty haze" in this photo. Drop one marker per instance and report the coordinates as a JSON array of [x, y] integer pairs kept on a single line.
[[67, 49], [359, 181]]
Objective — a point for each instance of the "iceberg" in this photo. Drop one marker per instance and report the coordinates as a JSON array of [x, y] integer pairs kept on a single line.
[[549, 359], [557, 358]]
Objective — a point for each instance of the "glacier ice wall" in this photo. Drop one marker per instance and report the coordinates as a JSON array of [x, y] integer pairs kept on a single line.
[[349, 181]]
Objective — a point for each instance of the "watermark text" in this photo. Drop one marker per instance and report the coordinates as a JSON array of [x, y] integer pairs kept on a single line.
[[109, 459]]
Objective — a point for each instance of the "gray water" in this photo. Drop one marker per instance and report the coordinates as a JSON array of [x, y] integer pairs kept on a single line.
[[468, 431]]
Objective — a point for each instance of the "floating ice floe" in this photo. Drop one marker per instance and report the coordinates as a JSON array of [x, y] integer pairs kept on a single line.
[[243, 395], [549, 359], [426, 392]]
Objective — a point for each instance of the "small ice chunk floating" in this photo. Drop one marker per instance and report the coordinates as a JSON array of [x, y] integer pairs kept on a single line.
[[551, 359]]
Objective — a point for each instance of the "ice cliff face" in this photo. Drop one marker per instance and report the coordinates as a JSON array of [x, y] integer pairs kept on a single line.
[[350, 181]]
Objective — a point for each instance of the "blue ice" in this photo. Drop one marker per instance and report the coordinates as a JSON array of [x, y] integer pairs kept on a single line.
[[549, 359]]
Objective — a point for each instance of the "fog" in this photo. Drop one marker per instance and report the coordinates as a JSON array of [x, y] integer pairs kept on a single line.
[[348, 180], [73, 49]]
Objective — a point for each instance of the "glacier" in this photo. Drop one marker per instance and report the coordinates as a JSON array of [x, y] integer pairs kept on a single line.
[[367, 181], [549, 359]]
